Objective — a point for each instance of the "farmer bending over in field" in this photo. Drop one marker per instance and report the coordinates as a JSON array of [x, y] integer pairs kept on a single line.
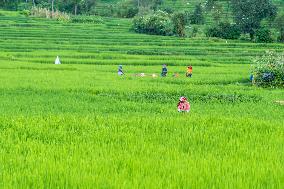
[[183, 105], [164, 71], [189, 71], [120, 71]]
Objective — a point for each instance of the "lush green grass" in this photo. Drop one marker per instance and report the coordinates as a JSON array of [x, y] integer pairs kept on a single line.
[[79, 125]]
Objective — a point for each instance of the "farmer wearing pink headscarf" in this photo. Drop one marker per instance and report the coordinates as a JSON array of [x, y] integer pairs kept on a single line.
[[183, 105]]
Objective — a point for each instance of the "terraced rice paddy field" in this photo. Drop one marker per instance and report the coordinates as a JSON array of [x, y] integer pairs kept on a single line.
[[79, 125]]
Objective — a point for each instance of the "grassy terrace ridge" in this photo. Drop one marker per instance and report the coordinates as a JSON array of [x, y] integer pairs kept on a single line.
[[79, 125]]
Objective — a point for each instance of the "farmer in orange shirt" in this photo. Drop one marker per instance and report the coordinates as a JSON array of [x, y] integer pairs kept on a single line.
[[189, 71]]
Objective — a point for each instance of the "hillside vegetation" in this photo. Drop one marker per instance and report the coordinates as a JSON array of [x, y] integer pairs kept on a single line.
[[80, 125], [231, 19]]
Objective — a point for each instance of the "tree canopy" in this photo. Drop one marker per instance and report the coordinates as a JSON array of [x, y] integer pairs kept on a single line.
[[248, 14]]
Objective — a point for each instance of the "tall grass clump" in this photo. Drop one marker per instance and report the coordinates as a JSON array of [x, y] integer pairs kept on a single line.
[[45, 13], [268, 70]]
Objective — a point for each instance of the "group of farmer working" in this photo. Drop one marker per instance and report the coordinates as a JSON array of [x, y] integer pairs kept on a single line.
[[183, 104], [164, 72]]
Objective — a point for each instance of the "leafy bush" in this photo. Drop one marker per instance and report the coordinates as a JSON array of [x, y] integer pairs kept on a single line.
[[279, 24], [263, 35], [168, 10], [268, 70], [197, 17], [224, 30], [25, 12], [179, 21], [158, 23], [194, 31]]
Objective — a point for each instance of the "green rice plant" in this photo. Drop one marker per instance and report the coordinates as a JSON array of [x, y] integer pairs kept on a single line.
[[80, 125]]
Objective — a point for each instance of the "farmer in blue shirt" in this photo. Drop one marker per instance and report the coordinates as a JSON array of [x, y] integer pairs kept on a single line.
[[164, 71], [120, 71]]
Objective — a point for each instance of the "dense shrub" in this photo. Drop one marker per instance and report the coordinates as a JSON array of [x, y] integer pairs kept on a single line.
[[179, 21], [268, 70], [281, 36], [126, 9], [25, 12], [168, 10], [197, 17], [279, 24], [263, 35], [224, 30], [194, 31], [158, 23]]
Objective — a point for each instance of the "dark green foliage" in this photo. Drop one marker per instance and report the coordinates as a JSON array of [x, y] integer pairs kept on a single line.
[[279, 24], [156, 4], [263, 35], [197, 17], [9, 4], [194, 31], [224, 30], [126, 9], [24, 6], [217, 12], [168, 10], [25, 12], [248, 14], [158, 23], [70, 6], [209, 4], [152, 4], [179, 21], [268, 70]]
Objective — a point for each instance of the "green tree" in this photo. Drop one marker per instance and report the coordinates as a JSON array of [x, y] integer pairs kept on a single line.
[[76, 6], [9, 4], [179, 21], [279, 24], [210, 4], [153, 4], [224, 30], [248, 14], [217, 12], [197, 17], [263, 35]]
